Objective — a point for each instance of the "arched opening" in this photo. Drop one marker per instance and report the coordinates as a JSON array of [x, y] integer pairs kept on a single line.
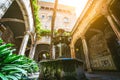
[[79, 53], [15, 28], [65, 50], [41, 51], [102, 45], [79, 50], [43, 55]]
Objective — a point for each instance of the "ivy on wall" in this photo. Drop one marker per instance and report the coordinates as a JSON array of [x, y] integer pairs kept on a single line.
[[40, 32], [45, 32], [36, 17]]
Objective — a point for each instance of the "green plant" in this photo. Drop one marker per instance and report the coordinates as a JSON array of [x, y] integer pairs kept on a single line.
[[12, 66], [44, 32], [36, 17]]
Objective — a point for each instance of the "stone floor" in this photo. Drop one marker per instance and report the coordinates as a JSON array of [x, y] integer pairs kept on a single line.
[[103, 76]]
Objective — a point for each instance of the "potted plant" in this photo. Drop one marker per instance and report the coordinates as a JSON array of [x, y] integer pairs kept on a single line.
[[14, 67]]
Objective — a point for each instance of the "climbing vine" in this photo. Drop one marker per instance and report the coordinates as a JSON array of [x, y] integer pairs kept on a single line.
[[36, 17], [40, 32]]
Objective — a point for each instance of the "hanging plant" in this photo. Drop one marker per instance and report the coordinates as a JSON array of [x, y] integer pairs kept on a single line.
[[36, 18], [44, 32]]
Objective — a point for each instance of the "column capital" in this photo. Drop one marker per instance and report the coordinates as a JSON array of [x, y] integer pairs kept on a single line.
[[27, 32], [72, 46], [82, 36], [104, 9]]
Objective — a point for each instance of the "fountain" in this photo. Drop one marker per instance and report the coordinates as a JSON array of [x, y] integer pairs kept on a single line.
[[62, 69]]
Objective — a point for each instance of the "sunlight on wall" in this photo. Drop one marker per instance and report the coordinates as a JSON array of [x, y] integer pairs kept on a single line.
[[78, 4]]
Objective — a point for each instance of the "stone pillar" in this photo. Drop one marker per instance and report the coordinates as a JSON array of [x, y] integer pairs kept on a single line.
[[105, 12], [53, 53], [32, 51], [24, 43], [33, 46], [85, 49], [60, 49], [113, 25], [72, 51]]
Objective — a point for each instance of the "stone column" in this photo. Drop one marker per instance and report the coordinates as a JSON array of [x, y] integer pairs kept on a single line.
[[24, 43], [60, 49], [113, 25], [72, 51], [32, 51], [85, 49], [106, 13], [53, 53], [33, 46]]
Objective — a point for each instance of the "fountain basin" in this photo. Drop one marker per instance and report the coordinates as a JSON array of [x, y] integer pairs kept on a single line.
[[62, 69]]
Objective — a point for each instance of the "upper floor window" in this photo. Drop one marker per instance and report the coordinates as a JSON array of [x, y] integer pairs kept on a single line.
[[49, 17], [42, 16], [65, 20]]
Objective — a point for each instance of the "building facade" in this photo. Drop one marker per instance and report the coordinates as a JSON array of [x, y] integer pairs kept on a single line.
[[96, 36], [65, 19], [65, 16]]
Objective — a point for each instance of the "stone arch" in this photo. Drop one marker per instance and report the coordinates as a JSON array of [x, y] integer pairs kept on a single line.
[[79, 53], [43, 54], [99, 52], [18, 19], [41, 48], [27, 14], [78, 35], [96, 17]]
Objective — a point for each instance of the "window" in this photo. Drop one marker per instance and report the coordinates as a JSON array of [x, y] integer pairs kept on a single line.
[[49, 17], [42, 16], [66, 20], [46, 27]]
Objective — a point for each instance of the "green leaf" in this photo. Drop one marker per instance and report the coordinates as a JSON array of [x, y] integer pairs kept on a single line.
[[5, 46], [18, 75], [11, 77], [11, 68], [1, 40], [11, 58], [3, 77], [13, 72]]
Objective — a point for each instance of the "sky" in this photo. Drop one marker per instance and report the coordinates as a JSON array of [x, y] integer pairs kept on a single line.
[[78, 4]]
